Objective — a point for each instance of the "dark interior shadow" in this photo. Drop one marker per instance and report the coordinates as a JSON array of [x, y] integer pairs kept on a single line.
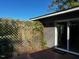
[[6, 48]]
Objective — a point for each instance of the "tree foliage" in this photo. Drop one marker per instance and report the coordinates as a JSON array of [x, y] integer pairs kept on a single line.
[[64, 4], [7, 28]]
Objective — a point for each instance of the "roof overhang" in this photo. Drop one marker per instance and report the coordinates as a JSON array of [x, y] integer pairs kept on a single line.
[[55, 14]]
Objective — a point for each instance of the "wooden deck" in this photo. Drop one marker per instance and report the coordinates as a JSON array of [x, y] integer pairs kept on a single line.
[[48, 54]]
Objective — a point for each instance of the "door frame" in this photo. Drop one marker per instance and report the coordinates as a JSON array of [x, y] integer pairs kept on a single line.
[[68, 34]]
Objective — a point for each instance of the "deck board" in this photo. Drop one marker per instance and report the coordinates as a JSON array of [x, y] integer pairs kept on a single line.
[[47, 54]]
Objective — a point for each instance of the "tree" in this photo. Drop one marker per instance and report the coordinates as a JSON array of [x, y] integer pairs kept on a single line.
[[64, 4]]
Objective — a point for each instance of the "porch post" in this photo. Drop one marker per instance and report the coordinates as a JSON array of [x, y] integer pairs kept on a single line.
[[56, 37], [68, 34]]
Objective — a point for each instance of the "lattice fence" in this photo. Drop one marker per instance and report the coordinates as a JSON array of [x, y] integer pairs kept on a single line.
[[24, 36]]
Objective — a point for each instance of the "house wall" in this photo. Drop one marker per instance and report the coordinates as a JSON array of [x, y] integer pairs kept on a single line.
[[49, 36]]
